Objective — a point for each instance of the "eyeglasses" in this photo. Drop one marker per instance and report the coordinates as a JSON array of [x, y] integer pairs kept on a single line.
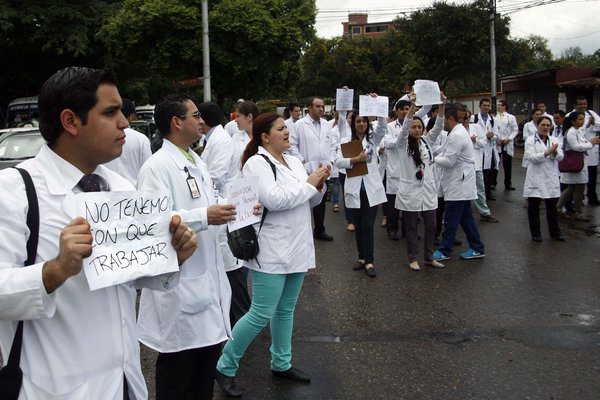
[[194, 114]]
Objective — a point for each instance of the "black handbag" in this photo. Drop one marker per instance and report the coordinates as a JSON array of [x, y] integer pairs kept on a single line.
[[243, 242], [11, 376]]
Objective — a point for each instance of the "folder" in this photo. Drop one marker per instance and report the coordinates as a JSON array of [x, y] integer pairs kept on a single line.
[[352, 149]]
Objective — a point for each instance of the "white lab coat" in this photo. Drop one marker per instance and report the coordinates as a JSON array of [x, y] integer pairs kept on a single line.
[[590, 133], [311, 146], [77, 344], [542, 177], [529, 129], [393, 166], [417, 194], [222, 158], [478, 145], [507, 129], [285, 239], [136, 151], [456, 159], [489, 150], [232, 128], [194, 312], [372, 180], [436, 149], [575, 140]]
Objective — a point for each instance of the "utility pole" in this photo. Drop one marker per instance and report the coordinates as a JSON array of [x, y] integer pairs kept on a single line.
[[205, 51], [493, 54]]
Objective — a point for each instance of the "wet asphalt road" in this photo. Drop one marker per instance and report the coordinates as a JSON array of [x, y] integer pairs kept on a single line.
[[523, 323]]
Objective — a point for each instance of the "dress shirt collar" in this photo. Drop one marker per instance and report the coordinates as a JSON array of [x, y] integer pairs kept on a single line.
[[66, 175]]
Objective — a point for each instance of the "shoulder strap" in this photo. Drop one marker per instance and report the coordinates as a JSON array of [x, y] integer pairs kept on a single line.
[[476, 118], [33, 222], [265, 210]]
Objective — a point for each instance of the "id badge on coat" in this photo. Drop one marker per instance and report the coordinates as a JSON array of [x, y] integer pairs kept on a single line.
[[193, 186]]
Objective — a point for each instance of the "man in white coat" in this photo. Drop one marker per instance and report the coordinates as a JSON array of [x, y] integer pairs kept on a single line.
[[312, 142], [187, 323], [295, 112], [77, 344], [136, 149], [591, 127], [222, 157], [490, 152], [507, 132], [458, 187]]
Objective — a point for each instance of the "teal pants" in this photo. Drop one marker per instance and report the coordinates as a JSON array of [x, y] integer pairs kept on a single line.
[[480, 203], [274, 298]]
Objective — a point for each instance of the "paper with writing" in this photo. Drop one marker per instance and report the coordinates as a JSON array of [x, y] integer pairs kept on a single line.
[[344, 99], [130, 236], [427, 92], [243, 194], [369, 106]]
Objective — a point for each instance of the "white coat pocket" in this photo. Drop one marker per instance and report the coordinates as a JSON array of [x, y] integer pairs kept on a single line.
[[195, 293], [30, 390]]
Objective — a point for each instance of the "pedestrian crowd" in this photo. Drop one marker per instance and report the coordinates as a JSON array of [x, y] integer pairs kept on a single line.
[[426, 164]]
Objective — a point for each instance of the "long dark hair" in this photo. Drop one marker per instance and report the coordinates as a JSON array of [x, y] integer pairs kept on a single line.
[[568, 122], [414, 145], [262, 124], [368, 132]]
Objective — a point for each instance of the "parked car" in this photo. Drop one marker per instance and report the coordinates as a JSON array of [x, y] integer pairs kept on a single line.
[[22, 112], [148, 128], [19, 144]]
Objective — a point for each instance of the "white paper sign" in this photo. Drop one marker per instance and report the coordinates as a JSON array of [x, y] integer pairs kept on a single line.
[[344, 99], [243, 194], [369, 106], [428, 92], [131, 237]]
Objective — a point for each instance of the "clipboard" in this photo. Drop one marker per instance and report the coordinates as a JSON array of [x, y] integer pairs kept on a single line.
[[352, 149]]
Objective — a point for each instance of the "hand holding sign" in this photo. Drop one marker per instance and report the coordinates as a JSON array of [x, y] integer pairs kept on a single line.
[[184, 239]]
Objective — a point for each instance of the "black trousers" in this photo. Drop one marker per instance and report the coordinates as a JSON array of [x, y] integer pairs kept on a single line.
[[592, 195], [187, 374], [364, 220], [507, 167], [319, 217], [240, 300], [533, 214], [392, 213], [439, 216], [489, 176]]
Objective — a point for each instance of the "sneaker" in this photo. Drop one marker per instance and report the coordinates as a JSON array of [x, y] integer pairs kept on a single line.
[[489, 218], [582, 217], [384, 222], [351, 227], [439, 256], [336, 208], [434, 264], [470, 254]]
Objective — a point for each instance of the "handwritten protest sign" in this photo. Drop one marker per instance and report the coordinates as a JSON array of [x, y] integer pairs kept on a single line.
[[243, 194], [373, 106], [344, 99], [428, 92], [131, 237]]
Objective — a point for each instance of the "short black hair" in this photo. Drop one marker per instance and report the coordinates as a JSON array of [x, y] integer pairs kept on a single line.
[[72, 88], [484, 100], [166, 108], [452, 111], [560, 112], [401, 103], [128, 108]]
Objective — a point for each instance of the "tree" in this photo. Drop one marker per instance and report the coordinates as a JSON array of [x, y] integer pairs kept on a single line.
[[38, 38], [254, 46]]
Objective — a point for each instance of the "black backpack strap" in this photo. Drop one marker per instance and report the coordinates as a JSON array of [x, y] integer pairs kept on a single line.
[[265, 210], [33, 222]]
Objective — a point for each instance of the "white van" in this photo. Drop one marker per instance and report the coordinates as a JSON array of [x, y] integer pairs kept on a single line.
[[145, 113], [22, 112]]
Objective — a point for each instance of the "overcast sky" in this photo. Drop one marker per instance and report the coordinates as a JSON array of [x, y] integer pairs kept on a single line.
[[565, 24]]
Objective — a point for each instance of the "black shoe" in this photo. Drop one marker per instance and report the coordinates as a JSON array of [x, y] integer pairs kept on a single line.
[[293, 374], [370, 270], [227, 383], [457, 242], [594, 203], [490, 198], [323, 236], [393, 235], [560, 238], [359, 265], [536, 239]]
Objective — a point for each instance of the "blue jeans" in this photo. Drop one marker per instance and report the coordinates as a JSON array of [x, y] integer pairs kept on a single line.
[[335, 190], [274, 298], [459, 212]]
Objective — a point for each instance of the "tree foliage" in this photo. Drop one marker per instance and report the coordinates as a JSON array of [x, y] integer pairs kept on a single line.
[[38, 38]]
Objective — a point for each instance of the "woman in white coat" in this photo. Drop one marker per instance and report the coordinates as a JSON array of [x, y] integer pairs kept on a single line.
[[417, 192], [286, 250], [362, 194], [575, 140], [542, 153]]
